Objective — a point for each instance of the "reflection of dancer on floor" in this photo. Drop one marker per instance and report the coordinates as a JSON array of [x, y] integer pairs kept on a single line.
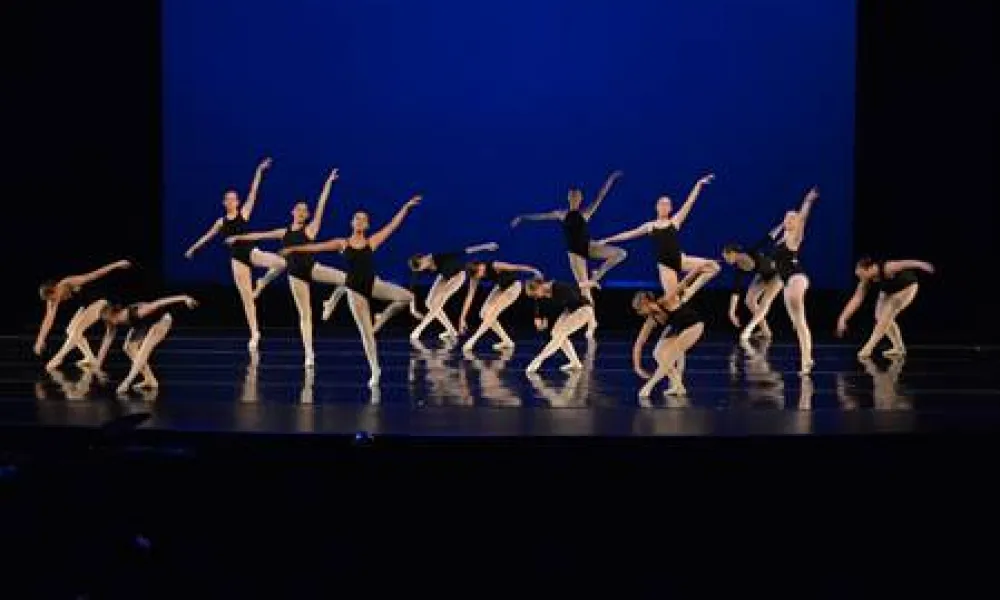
[[794, 278], [579, 246], [506, 290], [682, 328], [302, 269], [896, 281], [450, 270], [148, 323], [575, 312], [763, 289], [664, 231], [243, 255], [362, 285], [74, 287]]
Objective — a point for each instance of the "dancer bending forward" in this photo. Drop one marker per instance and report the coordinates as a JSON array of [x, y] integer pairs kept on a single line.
[[506, 290], [73, 289], [148, 323], [362, 285], [243, 255], [450, 271], [664, 231], [579, 246], [575, 312], [763, 289], [302, 269], [682, 328], [896, 281]]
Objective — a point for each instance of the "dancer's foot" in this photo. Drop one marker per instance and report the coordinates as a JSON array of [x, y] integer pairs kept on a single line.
[[84, 363], [894, 352], [504, 346], [864, 354], [254, 342], [446, 336], [146, 384], [53, 365], [676, 390], [331, 303], [123, 388], [645, 391], [571, 367]]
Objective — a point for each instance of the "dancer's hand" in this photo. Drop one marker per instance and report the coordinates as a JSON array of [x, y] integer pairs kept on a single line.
[[123, 264], [413, 202], [190, 302], [189, 254], [264, 165], [39, 348], [515, 222], [334, 175], [734, 319], [707, 179], [616, 175], [841, 329], [491, 247], [813, 194], [230, 240]]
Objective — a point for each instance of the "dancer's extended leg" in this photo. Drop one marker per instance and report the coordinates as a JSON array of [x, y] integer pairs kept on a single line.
[[153, 337], [398, 297], [578, 265], [691, 263], [565, 326], [361, 310], [612, 257]]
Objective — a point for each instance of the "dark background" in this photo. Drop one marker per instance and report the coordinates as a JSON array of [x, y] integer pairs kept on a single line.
[[82, 179]]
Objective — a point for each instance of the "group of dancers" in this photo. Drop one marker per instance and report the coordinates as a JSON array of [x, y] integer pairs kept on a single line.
[[562, 307]]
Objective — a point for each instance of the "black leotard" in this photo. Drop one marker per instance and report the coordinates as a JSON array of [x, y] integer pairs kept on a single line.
[[577, 234], [899, 282], [502, 279], [667, 246], [139, 326], [566, 298], [763, 266], [300, 264], [360, 269], [682, 318], [239, 251], [786, 262], [448, 264]]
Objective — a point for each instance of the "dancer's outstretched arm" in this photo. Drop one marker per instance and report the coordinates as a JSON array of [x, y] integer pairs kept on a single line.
[[274, 234], [487, 247], [590, 210], [631, 234], [685, 209], [383, 234], [147, 308], [895, 266], [851, 307], [553, 215], [312, 229], [502, 266], [247, 209], [84, 279], [640, 343], [334, 245], [807, 203], [204, 239]]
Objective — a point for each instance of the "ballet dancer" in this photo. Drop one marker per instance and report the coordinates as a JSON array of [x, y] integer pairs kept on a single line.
[[682, 328], [506, 290], [243, 256], [575, 312], [664, 230], [579, 246], [148, 323], [897, 284], [450, 278], [763, 288], [361, 284], [301, 268], [794, 280], [73, 288]]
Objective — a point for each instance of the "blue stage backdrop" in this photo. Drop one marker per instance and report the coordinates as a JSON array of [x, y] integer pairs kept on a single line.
[[491, 109]]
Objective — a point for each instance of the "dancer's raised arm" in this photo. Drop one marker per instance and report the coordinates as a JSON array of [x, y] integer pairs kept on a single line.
[[81, 280], [247, 209], [383, 234], [487, 247], [553, 215], [851, 307], [811, 196], [685, 209], [893, 267], [204, 239], [312, 229], [590, 210], [631, 234], [274, 234]]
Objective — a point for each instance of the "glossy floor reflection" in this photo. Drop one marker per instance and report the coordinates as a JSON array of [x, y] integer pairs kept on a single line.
[[213, 384]]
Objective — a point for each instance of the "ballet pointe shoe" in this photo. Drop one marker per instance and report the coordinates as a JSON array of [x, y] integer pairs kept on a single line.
[[123, 388], [676, 390], [645, 392], [864, 354], [146, 384], [446, 336], [331, 303]]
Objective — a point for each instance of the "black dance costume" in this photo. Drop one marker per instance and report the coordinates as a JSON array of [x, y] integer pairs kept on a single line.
[[786, 262], [299, 264], [681, 319], [240, 250], [448, 264], [501, 279], [667, 246], [360, 269], [899, 282], [139, 326], [566, 298], [577, 233], [763, 267]]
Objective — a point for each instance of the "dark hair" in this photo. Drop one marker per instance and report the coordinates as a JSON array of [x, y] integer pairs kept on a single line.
[[534, 284], [110, 310], [46, 289], [231, 190], [865, 262], [472, 268], [414, 261], [732, 247]]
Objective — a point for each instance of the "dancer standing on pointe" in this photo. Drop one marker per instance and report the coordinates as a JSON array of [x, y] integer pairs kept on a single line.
[[148, 323], [763, 289], [450, 270], [575, 312], [579, 246], [794, 278], [897, 283], [362, 285], [506, 290], [682, 328], [243, 255], [664, 231], [301, 268], [74, 287]]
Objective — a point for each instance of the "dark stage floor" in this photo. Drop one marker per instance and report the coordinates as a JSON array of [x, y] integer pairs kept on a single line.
[[211, 384]]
